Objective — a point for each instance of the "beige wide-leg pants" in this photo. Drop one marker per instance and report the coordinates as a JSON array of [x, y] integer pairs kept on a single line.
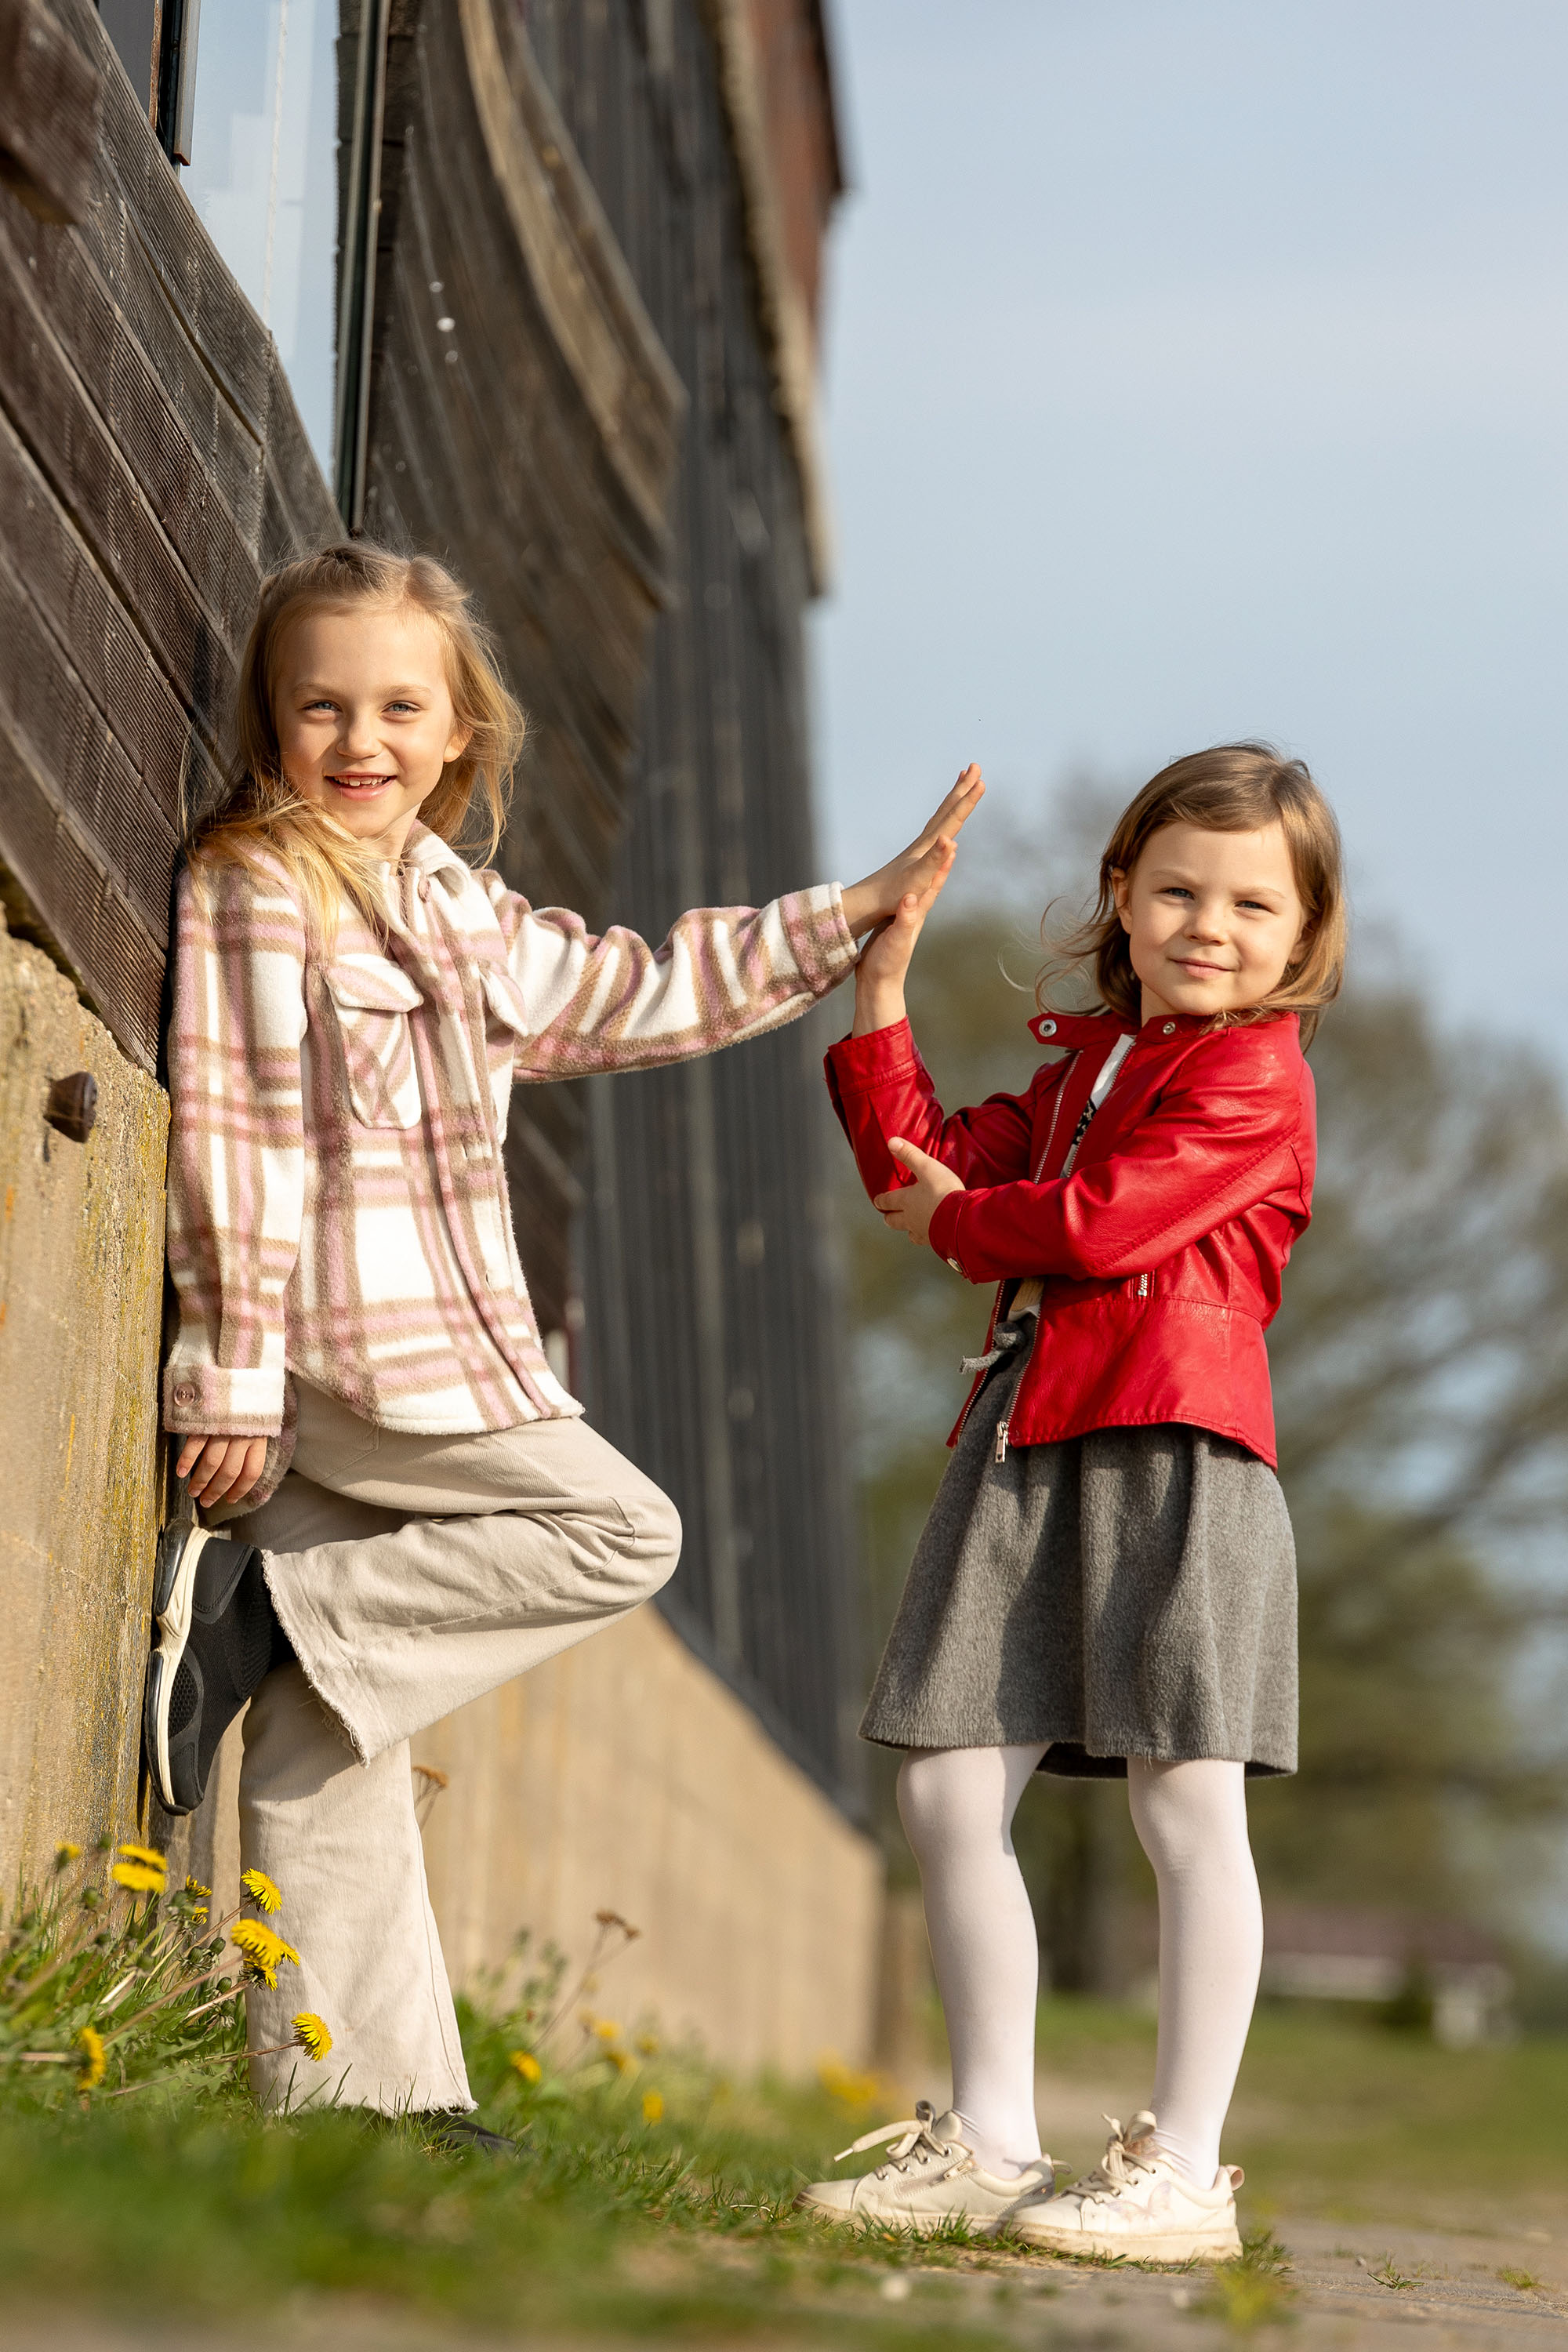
[[411, 1574]]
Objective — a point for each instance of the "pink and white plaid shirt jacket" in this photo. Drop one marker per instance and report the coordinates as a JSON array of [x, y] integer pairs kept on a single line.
[[337, 1202]]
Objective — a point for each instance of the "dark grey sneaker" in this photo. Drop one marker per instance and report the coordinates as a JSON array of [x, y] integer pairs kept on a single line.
[[213, 1639], [458, 2135]]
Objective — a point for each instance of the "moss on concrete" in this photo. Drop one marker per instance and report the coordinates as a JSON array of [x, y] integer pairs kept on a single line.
[[81, 1276]]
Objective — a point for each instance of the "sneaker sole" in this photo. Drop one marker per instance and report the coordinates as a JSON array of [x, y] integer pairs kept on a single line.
[[174, 1586], [1174, 2246], [917, 2225]]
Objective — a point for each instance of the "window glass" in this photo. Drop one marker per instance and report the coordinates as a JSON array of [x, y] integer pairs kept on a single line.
[[263, 177]]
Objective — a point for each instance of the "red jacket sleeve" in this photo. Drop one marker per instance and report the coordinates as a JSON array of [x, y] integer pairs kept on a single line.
[[1222, 1137], [881, 1088]]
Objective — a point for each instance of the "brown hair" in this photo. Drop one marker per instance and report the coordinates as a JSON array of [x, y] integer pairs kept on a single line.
[[1233, 788], [260, 813]]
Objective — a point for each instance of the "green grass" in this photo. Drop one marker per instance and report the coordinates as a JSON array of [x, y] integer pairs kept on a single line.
[[180, 2202], [605, 2226]]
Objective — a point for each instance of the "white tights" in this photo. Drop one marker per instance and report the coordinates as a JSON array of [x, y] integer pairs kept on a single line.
[[957, 1806]]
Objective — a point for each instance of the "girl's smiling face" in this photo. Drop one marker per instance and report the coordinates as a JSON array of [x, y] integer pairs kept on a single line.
[[364, 717], [1212, 919]]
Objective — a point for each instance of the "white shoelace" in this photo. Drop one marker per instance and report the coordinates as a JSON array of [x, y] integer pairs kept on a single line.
[[1121, 2166], [916, 2143]]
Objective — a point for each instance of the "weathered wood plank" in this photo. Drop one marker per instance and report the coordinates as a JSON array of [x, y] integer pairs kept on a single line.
[[76, 450], [128, 690], [594, 314], [117, 375], [50, 714], [200, 286], [51, 105], [83, 919], [232, 452]]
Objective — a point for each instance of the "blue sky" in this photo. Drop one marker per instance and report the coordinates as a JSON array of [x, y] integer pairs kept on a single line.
[[1199, 368]]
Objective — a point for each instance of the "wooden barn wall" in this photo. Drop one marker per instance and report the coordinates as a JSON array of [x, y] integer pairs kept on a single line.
[[711, 1346]]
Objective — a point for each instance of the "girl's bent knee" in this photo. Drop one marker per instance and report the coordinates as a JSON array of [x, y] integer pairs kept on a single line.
[[655, 1550]]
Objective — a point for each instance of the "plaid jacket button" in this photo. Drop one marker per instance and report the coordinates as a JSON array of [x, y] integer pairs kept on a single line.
[[184, 1396]]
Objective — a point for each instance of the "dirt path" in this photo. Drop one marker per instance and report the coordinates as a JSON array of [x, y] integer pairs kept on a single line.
[[1349, 2289]]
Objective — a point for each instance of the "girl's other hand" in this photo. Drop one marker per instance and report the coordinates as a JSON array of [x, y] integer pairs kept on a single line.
[[221, 1469], [911, 1208], [923, 866], [885, 959]]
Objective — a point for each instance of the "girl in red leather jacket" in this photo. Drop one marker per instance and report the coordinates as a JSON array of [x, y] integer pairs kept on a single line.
[[1106, 1584]]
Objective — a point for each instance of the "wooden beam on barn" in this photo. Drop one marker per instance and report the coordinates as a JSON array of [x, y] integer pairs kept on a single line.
[[785, 293], [52, 98]]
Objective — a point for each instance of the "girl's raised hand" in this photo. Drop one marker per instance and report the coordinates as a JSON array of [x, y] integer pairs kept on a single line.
[[885, 958], [922, 866], [911, 1208]]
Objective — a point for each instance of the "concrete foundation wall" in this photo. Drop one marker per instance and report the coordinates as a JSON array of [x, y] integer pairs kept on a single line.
[[81, 1274], [625, 1776]]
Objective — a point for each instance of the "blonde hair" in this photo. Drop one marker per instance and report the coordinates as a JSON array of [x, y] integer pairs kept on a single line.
[[262, 819], [1232, 788]]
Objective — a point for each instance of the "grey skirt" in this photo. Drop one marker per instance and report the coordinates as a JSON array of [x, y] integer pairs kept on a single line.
[[1132, 1592]]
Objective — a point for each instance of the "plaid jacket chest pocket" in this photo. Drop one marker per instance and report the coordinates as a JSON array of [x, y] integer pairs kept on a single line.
[[371, 1002]]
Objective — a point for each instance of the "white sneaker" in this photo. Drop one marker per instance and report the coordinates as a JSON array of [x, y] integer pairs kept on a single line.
[[1135, 2203], [930, 2177]]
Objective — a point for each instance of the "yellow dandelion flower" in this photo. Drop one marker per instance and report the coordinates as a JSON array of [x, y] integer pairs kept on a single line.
[[141, 1869], [652, 2107], [607, 2029], [525, 2064], [65, 1852], [202, 1894], [311, 2034], [261, 1891], [620, 2060], [263, 1950], [841, 2082], [140, 1877], [647, 2043], [90, 2073]]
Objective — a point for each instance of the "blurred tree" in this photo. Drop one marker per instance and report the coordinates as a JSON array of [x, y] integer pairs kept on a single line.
[[1421, 1375]]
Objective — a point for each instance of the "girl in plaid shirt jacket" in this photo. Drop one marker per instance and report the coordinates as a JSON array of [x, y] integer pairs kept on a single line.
[[413, 1509]]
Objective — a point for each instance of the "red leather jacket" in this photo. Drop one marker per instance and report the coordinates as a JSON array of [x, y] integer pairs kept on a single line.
[[1161, 1252]]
